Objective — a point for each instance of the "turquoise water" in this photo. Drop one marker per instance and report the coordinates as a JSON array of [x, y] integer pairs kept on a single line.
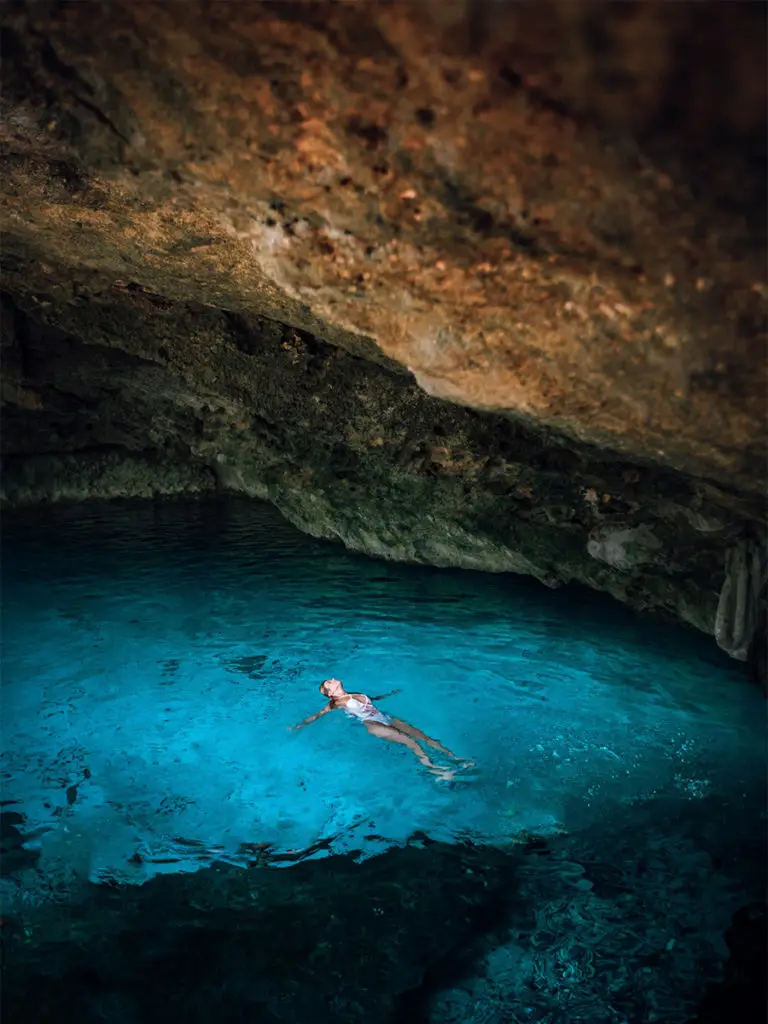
[[155, 656]]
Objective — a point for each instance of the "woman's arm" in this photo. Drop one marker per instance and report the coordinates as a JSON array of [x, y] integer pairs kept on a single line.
[[313, 718], [390, 694]]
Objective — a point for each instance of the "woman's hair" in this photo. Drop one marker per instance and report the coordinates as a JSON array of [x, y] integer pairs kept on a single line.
[[323, 684]]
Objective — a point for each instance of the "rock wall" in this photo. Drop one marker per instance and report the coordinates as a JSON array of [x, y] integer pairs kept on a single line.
[[153, 397], [474, 284]]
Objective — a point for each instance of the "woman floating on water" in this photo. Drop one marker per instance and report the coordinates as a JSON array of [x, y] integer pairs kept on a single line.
[[359, 705]]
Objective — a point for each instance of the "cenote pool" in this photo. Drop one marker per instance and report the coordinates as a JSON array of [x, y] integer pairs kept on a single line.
[[155, 656]]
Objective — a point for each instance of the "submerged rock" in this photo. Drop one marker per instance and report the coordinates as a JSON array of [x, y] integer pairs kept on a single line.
[[741, 996], [17, 850], [326, 940]]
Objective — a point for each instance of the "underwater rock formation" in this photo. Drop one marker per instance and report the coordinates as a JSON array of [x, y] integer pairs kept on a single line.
[[328, 941], [473, 284]]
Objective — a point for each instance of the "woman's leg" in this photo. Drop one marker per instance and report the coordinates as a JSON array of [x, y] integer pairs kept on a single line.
[[417, 734], [387, 732]]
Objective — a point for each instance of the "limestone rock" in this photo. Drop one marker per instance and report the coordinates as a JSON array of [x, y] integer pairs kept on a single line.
[[470, 283], [744, 597]]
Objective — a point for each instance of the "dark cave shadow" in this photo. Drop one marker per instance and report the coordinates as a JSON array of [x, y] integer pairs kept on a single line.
[[254, 944], [262, 944], [710, 826]]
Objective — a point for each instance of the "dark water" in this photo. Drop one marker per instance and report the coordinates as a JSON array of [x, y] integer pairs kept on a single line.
[[155, 655]]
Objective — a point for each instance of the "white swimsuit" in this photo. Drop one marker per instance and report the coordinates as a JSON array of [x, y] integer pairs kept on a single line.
[[365, 711]]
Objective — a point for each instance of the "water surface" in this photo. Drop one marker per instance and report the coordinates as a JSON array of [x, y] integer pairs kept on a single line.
[[154, 656]]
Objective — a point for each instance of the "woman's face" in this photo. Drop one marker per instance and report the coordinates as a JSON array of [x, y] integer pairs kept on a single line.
[[333, 688]]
